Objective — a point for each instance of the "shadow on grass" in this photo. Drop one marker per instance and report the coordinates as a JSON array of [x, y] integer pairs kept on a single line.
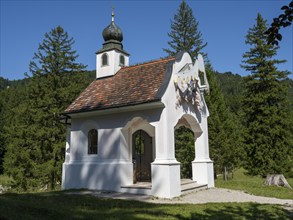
[[63, 206]]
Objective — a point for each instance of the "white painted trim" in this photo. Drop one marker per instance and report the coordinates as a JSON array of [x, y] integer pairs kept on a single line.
[[144, 106], [202, 161], [165, 162]]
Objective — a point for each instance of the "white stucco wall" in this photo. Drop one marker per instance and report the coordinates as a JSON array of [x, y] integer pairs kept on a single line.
[[113, 63], [165, 162], [112, 167]]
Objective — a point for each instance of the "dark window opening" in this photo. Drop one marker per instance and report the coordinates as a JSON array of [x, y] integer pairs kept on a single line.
[[122, 60], [93, 141], [104, 59]]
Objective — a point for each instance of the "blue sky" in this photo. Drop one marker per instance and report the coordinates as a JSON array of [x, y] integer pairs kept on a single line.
[[145, 25]]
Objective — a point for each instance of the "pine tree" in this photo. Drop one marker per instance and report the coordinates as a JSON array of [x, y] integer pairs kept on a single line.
[[35, 150], [269, 134], [2, 149], [10, 99], [184, 34], [184, 150], [185, 37], [225, 142]]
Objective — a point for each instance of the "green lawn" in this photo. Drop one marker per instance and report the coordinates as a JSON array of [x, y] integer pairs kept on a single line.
[[58, 205], [5, 181], [255, 185], [61, 205]]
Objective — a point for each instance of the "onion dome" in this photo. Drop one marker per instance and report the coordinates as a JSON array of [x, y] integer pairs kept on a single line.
[[113, 37], [112, 32]]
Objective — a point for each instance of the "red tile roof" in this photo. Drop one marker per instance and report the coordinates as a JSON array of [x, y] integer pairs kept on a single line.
[[131, 85]]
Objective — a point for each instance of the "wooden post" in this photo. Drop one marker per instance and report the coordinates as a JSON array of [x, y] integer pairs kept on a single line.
[[225, 173]]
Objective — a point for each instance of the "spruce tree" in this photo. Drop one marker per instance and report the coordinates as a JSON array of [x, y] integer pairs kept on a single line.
[[10, 99], [35, 150], [2, 149], [184, 33], [185, 36], [225, 141], [184, 150], [225, 130], [265, 104]]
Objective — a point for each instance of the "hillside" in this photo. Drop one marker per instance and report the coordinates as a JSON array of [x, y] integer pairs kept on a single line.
[[13, 97], [4, 83], [232, 88], [231, 85]]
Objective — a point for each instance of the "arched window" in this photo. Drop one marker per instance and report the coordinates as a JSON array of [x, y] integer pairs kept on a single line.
[[104, 59], [122, 60], [93, 141]]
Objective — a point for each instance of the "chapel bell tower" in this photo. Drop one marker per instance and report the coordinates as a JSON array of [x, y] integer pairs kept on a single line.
[[112, 56]]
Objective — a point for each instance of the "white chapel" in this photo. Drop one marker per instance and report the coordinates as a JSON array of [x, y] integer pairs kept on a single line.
[[120, 134]]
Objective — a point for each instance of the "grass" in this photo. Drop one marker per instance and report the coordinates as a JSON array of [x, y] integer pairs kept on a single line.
[[5, 180], [255, 185], [59, 205], [62, 205]]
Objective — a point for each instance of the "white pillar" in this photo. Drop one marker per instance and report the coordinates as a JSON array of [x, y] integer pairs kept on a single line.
[[202, 142], [165, 168], [67, 157], [202, 166], [67, 146]]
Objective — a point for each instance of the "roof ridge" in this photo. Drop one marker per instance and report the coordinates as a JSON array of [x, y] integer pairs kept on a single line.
[[149, 62]]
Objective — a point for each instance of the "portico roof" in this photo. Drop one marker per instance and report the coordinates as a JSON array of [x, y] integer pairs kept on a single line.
[[132, 85]]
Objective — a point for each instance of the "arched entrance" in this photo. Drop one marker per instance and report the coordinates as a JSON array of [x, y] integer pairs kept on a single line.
[[184, 150], [187, 131], [142, 156]]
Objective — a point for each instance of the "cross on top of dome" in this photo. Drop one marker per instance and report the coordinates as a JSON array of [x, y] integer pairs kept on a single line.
[[112, 32]]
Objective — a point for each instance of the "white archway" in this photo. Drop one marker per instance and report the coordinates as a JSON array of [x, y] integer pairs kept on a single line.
[[188, 121], [135, 124]]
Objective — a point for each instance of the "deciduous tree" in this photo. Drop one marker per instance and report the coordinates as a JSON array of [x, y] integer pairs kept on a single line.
[[284, 20]]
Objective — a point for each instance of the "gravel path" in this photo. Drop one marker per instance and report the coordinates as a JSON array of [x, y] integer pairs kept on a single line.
[[216, 195], [213, 195]]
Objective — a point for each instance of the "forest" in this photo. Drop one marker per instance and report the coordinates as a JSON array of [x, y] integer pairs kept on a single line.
[[12, 97], [250, 123]]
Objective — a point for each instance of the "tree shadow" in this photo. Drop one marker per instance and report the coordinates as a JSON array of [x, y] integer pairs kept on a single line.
[[60, 205], [244, 211], [141, 210]]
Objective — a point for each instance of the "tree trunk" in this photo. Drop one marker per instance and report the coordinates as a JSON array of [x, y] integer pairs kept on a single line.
[[277, 180]]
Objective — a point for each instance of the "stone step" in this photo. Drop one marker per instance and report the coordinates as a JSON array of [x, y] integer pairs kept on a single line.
[[140, 185], [190, 185], [187, 185], [135, 190], [187, 181], [138, 188]]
